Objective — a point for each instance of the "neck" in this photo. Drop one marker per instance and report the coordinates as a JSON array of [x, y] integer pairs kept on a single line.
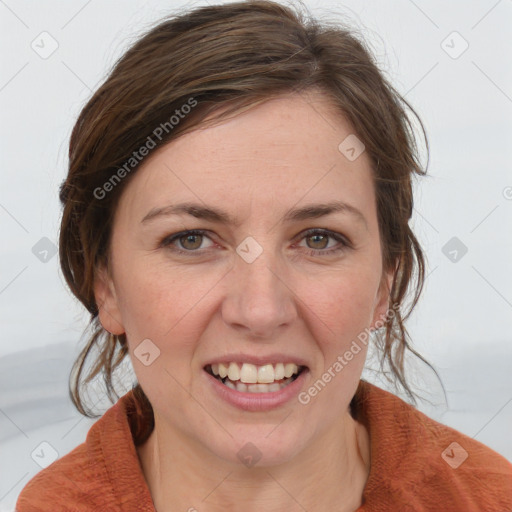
[[329, 475]]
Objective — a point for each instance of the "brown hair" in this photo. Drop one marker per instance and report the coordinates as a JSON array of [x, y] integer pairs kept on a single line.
[[234, 55]]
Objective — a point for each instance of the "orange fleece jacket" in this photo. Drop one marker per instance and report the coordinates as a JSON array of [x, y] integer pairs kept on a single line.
[[414, 466]]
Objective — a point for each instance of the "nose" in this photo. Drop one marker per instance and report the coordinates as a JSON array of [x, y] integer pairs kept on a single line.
[[259, 301]]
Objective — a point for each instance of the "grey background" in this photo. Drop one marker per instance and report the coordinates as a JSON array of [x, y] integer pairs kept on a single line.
[[464, 319]]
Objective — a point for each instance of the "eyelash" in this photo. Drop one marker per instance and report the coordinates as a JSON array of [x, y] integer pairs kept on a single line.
[[345, 243]]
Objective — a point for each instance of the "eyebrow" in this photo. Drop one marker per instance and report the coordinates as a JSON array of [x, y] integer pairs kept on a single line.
[[311, 211]]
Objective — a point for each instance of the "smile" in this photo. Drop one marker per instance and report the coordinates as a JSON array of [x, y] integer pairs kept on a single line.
[[250, 378]]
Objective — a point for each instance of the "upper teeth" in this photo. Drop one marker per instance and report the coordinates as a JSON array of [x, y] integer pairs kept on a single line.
[[252, 374]]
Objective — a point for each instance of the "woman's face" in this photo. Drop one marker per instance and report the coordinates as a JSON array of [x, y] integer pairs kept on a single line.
[[274, 277]]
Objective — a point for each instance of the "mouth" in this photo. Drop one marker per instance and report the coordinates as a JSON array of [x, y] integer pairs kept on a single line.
[[250, 378]]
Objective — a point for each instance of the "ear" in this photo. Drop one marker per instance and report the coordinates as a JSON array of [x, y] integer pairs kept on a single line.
[[382, 305], [106, 299]]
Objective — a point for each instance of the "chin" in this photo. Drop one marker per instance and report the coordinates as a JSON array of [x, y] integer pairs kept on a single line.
[[260, 446]]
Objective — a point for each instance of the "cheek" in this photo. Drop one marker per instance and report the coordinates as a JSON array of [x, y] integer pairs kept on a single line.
[[341, 307], [158, 302]]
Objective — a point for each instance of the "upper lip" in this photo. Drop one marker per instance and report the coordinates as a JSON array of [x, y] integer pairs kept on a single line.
[[257, 360]]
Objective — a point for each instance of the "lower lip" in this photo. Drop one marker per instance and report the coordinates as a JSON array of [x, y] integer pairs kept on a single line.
[[258, 401]]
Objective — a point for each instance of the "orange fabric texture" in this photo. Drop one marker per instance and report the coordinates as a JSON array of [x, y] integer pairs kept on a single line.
[[414, 466]]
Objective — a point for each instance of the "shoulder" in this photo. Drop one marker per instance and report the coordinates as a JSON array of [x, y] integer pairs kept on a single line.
[[419, 461], [72, 482], [101, 474]]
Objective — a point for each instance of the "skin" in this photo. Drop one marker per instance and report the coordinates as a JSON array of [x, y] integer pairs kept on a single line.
[[279, 155]]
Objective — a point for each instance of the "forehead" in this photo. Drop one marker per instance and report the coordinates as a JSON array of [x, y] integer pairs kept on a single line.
[[281, 152]]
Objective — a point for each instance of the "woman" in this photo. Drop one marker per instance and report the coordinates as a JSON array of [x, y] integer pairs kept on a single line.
[[236, 222]]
